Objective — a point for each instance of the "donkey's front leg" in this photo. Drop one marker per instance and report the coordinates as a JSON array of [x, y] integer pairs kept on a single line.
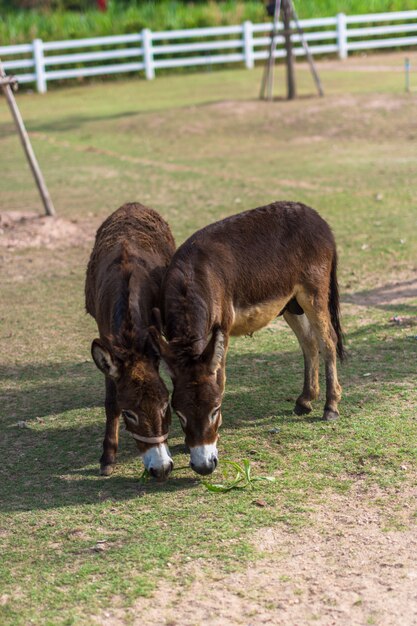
[[309, 345], [111, 437]]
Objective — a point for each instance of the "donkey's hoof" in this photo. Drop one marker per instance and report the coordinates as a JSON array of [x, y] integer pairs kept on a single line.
[[330, 416], [106, 470], [302, 409]]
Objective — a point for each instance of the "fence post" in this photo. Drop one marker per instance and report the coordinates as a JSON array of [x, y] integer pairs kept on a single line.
[[39, 65], [148, 53], [342, 36], [248, 44]]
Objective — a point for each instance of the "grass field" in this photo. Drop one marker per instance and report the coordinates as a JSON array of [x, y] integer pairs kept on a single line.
[[197, 148]]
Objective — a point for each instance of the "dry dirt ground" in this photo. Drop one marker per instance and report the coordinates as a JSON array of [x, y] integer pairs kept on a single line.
[[349, 565], [24, 229]]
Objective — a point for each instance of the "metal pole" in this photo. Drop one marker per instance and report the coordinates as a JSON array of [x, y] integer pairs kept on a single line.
[[407, 74], [27, 146]]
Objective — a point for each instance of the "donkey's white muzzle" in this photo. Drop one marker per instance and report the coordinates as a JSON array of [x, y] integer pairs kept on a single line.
[[158, 462], [204, 459]]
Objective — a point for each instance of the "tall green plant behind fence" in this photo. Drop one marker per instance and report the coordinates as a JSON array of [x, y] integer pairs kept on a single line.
[[74, 19]]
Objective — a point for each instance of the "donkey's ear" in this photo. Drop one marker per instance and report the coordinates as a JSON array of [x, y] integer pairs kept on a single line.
[[104, 360], [157, 319], [161, 346], [214, 351], [151, 349], [155, 341]]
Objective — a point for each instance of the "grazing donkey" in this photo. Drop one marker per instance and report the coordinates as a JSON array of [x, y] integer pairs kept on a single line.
[[232, 278], [132, 250]]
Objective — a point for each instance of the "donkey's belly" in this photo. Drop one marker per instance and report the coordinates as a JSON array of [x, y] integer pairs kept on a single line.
[[250, 319]]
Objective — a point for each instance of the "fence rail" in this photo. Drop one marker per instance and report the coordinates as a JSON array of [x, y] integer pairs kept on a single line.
[[244, 43]]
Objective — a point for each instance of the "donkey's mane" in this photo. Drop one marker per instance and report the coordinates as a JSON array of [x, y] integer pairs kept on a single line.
[[187, 326], [129, 333], [188, 350]]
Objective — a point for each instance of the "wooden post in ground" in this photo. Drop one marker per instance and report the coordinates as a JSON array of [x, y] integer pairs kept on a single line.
[[267, 84], [6, 83], [286, 19], [308, 53], [288, 14]]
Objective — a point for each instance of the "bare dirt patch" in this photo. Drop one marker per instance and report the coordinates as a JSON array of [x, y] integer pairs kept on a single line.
[[346, 567], [19, 230]]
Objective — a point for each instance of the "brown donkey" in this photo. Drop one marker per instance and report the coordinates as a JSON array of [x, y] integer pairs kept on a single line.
[[232, 278], [131, 253]]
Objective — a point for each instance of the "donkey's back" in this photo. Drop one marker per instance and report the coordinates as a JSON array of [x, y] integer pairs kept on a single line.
[[135, 232], [259, 254]]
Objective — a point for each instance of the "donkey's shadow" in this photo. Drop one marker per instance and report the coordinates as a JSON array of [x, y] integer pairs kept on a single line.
[[48, 464]]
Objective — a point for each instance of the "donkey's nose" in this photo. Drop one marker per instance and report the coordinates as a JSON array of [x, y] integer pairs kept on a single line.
[[205, 468], [158, 462], [203, 459], [162, 472]]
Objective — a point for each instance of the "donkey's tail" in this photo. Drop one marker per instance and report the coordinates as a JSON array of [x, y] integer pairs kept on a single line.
[[334, 309]]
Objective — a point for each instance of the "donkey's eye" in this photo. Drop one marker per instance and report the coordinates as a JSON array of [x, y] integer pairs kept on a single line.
[[215, 414], [130, 415]]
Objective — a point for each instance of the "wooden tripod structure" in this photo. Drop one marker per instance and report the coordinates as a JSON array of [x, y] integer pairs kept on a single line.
[[288, 14], [8, 84]]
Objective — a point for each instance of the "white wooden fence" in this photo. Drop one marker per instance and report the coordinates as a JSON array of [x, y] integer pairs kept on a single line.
[[245, 43]]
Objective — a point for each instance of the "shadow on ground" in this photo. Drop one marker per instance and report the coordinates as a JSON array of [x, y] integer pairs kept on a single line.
[[73, 122], [390, 297], [53, 460], [52, 431], [36, 391]]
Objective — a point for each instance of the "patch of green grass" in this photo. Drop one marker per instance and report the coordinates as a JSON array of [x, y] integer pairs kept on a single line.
[[198, 148]]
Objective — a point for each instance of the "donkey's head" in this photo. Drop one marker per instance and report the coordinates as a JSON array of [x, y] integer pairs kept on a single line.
[[142, 397], [198, 375]]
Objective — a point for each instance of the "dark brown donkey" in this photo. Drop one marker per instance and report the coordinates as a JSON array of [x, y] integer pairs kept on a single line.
[[132, 250], [232, 278]]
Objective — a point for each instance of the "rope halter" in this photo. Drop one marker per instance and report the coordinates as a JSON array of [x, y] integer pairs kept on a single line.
[[159, 439]]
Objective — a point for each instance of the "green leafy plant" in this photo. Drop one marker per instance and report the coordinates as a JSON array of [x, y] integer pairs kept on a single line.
[[236, 476]]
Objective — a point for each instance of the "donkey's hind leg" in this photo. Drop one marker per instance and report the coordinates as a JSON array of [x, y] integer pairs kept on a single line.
[[111, 437], [317, 311], [309, 345]]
